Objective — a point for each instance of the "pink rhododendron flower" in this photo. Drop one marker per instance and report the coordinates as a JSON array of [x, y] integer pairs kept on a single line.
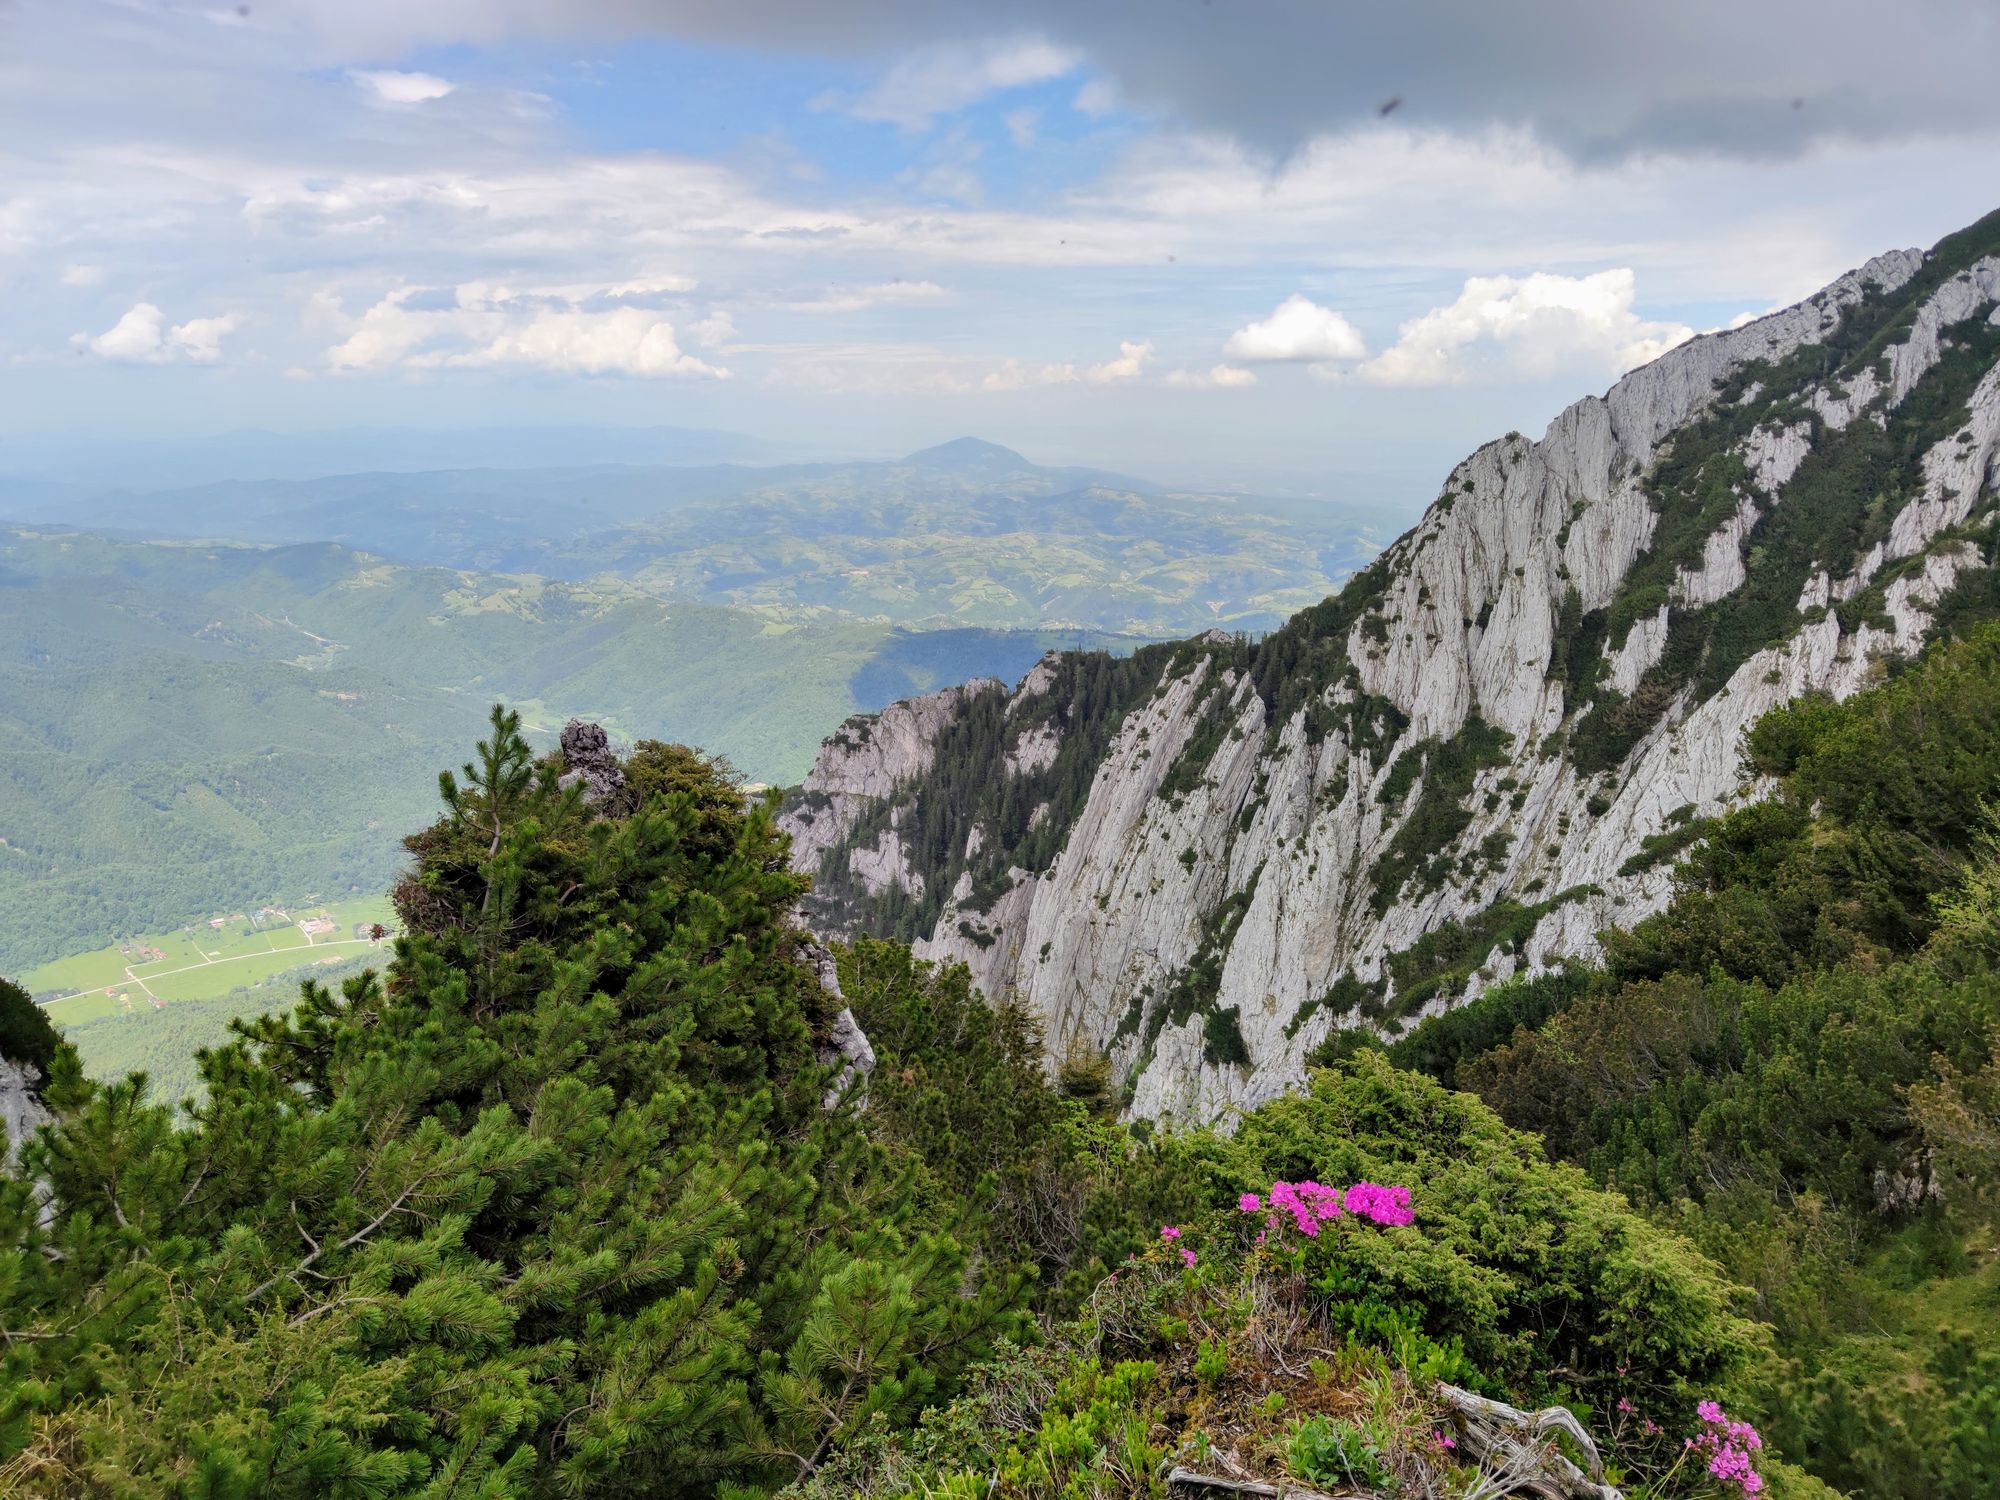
[[1187, 1258], [1382, 1205], [1169, 1233], [1728, 1446], [1313, 1205]]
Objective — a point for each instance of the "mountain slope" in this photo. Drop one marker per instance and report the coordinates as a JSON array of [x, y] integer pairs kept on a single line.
[[183, 725], [964, 534], [1209, 858]]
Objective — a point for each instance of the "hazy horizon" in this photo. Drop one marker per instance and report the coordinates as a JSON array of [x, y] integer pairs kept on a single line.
[[1269, 249]]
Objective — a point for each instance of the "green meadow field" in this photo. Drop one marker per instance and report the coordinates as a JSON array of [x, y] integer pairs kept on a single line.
[[148, 1004]]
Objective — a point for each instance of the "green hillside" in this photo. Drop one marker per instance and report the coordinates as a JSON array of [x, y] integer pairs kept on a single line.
[[1797, 1064], [577, 1155], [566, 1206], [964, 534], [189, 726]]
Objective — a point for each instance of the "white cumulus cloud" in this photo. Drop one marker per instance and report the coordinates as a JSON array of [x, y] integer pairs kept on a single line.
[[1013, 375], [1220, 377], [385, 86], [487, 326], [82, 275], [1532, 325], [1131, 360], [715, 330], [626, 341], [1298, 329], [143, 336], [201, 338]]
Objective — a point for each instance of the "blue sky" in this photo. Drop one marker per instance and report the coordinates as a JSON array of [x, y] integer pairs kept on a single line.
[[1176, 239]]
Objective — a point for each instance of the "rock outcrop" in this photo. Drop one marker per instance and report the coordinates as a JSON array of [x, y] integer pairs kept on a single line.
[[588, 762], [1207, 858], [21, 1111]]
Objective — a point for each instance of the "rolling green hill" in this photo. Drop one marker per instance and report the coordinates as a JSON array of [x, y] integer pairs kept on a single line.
[[964, 534], [187, 725]]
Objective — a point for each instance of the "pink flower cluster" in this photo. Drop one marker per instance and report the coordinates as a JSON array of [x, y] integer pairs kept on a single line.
[[1383, 1205], [1312, 1204], [1728, 1446]]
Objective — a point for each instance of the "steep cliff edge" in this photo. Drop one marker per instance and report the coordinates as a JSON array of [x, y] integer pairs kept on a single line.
[[1207, 857]]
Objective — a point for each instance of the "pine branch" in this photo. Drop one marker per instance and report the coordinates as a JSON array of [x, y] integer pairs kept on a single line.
[[358, 1237]]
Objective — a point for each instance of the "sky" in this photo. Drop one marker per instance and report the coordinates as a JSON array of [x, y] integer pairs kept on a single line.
[[1320, 247]]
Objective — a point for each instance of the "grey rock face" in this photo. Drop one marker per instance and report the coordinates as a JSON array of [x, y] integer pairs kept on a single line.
[[588, 761], [845, 1044], [21, 1113], [1260, 874], [865, 762]]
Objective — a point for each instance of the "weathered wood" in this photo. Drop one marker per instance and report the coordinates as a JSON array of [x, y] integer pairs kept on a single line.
[[1185, 1484], [1516, 1450]]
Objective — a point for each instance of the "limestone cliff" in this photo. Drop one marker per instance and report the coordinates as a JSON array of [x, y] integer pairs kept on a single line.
[[21, 1111], [1488, 747]]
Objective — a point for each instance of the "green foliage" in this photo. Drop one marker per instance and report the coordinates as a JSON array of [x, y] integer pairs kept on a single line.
[[1279, 1356], [1795, 1065], [1442, 1042], [1526, 1263], [1880, 801], [203, 728], [1421, 844], [25, 1033], [556, 1206], [1222, 1039], [1323, 1451]]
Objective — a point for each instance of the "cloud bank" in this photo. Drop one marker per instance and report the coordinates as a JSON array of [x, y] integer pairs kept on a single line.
[[142, 336]]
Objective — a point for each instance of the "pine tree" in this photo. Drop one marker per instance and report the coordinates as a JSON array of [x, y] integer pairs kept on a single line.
[[552, 1207]]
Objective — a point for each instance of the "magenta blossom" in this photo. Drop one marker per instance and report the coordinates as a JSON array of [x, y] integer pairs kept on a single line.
[[1169, 1233], [1382, 1205], [1728, 1446], [1188, 1258], [1313, 1205]]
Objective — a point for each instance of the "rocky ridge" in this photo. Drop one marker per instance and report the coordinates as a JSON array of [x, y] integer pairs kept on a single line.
[[1206, 858], [21, 1112]]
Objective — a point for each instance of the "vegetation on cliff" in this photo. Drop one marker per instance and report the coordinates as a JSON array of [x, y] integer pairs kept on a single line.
[[557, 1205]]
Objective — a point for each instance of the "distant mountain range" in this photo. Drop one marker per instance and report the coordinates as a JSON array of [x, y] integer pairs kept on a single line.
[[240, 689], [968, 533], [85, 464]]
